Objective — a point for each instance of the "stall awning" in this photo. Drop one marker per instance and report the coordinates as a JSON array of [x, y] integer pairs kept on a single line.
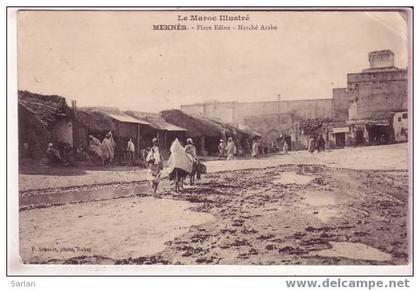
[[340, 130], [378, 123]]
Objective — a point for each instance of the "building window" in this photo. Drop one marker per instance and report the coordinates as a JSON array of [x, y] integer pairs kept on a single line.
[[399, 119], [404, 115]]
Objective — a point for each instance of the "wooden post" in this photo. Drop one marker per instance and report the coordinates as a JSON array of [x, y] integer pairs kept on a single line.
[[203, 149], [165, 140], [138, 141]]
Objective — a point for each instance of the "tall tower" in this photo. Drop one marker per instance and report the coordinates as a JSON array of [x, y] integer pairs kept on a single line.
[[381, 59]]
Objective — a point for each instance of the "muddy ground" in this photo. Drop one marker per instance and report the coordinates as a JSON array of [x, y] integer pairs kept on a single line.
[[386, 157], [291, 214]]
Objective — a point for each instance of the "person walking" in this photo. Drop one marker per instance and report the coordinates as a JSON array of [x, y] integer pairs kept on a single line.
[[95, 147], [311, 145], [131, 150], [190, 149], [320, 143], [221, 149], [154, 162], [191, 152], [285, 148], [254, 149], [230, 149], [108, 149]]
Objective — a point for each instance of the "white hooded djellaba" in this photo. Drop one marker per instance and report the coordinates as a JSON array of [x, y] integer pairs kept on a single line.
[[179, 160], [108, 147]]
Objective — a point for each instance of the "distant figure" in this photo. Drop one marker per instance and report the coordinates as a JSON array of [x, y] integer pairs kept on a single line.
[[254, 149], [53, 155], [145, 152], [67, 154], [320, 143], [285, 148], [191, 153], [108, 149], [230, 149], [221, 149], [311, 145], [265, 148], [154, 161], [95, 146], [382, 139], [82, 155], [131, 149], [26, 152], [190, 149]]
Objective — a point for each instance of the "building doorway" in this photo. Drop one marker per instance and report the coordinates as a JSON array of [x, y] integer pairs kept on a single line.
[[340, 139], [360, 139], [379, 134]]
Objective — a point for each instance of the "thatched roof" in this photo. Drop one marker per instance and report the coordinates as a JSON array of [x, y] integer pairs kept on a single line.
[[231, 128], [196, 127], [249, 131], [47, 108], [156, 120], [28, 117], [101, 118], [95, 120], [199, 125], [310, 126]]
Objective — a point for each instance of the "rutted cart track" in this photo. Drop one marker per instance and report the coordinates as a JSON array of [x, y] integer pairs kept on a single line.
[[259, 220]]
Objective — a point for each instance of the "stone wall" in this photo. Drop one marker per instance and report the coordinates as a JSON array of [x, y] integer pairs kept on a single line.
[[341, 103], [237, 112], [377, 94], [271, 119]]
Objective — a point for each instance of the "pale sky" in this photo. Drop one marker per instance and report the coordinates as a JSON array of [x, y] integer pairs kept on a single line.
[[116, 59]]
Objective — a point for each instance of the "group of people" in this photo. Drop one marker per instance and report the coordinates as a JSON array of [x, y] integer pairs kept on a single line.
[[256, 148], [104, 150], [60, 154], [155, 164], [316, 143], [154, 161], [227, 150]]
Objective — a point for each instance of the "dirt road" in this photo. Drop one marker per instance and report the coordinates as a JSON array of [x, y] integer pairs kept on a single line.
[[284, 214], [389, 157]]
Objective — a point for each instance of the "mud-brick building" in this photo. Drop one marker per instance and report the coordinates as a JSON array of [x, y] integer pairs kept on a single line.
[[43, 119], [341, 103], [98, 121], [206, 132], [379, 90], [376, 101], [165, 132], [271, 119], [238, 112]]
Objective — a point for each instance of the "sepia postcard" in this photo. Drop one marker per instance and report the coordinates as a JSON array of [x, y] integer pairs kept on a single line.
[[246, 141]]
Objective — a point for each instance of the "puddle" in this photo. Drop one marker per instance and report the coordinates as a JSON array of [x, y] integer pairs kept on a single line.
[[305, 169], [323, 205], [320, 198], [119, 229], [292, 178], [324, 214], [65, 197], [356, 251]]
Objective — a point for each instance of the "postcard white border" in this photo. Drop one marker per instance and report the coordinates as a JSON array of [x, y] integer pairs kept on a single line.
[[15, 267]]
